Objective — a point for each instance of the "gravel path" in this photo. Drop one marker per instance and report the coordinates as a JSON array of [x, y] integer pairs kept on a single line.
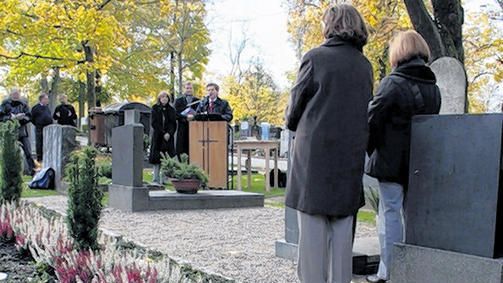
[[237, 243]]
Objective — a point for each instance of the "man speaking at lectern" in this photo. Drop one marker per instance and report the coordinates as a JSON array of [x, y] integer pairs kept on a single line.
[[212, 104]]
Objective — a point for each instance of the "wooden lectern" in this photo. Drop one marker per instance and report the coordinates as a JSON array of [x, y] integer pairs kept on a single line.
[[208, 150]]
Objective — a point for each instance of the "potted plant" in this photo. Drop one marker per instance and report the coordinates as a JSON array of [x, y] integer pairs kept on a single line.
[[186, 178]]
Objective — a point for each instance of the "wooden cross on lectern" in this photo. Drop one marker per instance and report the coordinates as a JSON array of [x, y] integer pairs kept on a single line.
[[205, 147]]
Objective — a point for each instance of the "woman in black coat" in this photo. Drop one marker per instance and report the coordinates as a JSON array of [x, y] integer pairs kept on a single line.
[[328, 112], [164, 127], [409, 90]]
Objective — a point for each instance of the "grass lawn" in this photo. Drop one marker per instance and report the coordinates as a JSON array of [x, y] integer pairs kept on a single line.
[[29, 193], [258, 186]]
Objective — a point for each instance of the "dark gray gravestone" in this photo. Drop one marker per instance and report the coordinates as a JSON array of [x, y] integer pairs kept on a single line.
[[127, 155], [455, 196]]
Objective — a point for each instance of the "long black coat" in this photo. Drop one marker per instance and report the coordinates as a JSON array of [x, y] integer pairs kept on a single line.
[[182, 132], [220, 106], [328, 111], [163, 121], [409, 90]]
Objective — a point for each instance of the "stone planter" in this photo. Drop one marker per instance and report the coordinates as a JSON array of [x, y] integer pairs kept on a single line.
[[189, 186]]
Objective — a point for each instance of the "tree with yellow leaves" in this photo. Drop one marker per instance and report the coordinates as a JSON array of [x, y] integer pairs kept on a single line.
[[254, 94], [383, 18]]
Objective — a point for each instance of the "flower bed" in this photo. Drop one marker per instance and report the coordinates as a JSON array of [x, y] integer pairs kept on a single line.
[[44, 234]]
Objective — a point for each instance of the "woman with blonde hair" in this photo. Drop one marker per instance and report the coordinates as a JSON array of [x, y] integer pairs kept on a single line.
[[409, 90], [328, 112], [164, 127]]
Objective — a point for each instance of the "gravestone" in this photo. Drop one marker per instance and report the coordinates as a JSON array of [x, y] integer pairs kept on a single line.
[[59, 142], [127, 191], [454, 207], [451, 79]]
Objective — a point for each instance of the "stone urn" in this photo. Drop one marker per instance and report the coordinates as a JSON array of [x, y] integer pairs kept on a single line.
[[188, 186]]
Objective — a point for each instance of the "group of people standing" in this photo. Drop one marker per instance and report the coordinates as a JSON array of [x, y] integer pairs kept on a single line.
[[168, 120], [337, 120], [15, 108]]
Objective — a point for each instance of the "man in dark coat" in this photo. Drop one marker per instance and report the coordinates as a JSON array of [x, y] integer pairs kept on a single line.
[[328, 112], [15, 108], [212, 104], [164, 127], [64, 113], [40, 117], [182, 132]]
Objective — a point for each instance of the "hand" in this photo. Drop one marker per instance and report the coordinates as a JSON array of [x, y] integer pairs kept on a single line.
[[19, 116], [190, 117], [57, 114], [167, 136]]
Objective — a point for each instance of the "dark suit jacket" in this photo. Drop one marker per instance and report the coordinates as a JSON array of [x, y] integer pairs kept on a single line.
[[182, 134], [220, 106]]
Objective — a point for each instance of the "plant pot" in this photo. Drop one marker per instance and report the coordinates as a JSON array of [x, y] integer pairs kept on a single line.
[[189, 186]]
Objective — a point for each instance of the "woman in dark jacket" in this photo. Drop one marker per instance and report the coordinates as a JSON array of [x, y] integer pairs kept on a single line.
[[328, 112], [164, 125], [409, 90]]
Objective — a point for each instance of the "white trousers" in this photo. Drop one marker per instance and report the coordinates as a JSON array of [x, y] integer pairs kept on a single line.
[[325, 248]]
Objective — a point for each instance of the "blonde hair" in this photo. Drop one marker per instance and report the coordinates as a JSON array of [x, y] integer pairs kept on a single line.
[[407, 45], [344, 21], [163, 93]]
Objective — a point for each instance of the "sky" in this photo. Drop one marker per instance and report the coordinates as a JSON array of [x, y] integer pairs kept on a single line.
[[264, 23]]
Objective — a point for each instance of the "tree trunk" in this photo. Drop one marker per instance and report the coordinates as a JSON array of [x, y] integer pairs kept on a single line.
[[90, 78], [82, 100], [98, 87], [449, 15], [443, 33], [172, 75], [44, 84], [53, 93], [180, 72]]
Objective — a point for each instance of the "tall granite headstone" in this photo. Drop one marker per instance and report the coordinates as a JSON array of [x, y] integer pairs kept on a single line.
[[451, 79], [454, 207], [127, 191], [59, 142]]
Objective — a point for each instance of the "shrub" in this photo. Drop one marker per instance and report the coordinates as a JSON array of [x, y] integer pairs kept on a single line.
[[182, 170], [104, 167], [84, 199], [372, 197], [10, 162]]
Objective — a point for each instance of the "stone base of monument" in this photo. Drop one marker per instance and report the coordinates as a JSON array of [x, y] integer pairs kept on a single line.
[[134, 199], [365, 254], [414, 264]]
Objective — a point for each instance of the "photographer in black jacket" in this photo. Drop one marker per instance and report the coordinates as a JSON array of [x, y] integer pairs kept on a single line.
[[14, 108]]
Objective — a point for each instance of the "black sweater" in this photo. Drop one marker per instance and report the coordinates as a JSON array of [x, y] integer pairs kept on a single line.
[[41, 115]]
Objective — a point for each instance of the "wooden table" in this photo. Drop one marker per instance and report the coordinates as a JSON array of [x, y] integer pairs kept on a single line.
[[267, 146]]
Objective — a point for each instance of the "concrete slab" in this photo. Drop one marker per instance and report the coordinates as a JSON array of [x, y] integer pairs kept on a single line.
[[210, 199], [414, 264]]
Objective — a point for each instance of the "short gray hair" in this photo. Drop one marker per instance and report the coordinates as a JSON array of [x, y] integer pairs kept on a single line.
[[14, 91], [345, 22]]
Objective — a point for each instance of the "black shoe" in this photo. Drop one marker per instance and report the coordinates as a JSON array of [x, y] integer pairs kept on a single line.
[[375, 279]]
